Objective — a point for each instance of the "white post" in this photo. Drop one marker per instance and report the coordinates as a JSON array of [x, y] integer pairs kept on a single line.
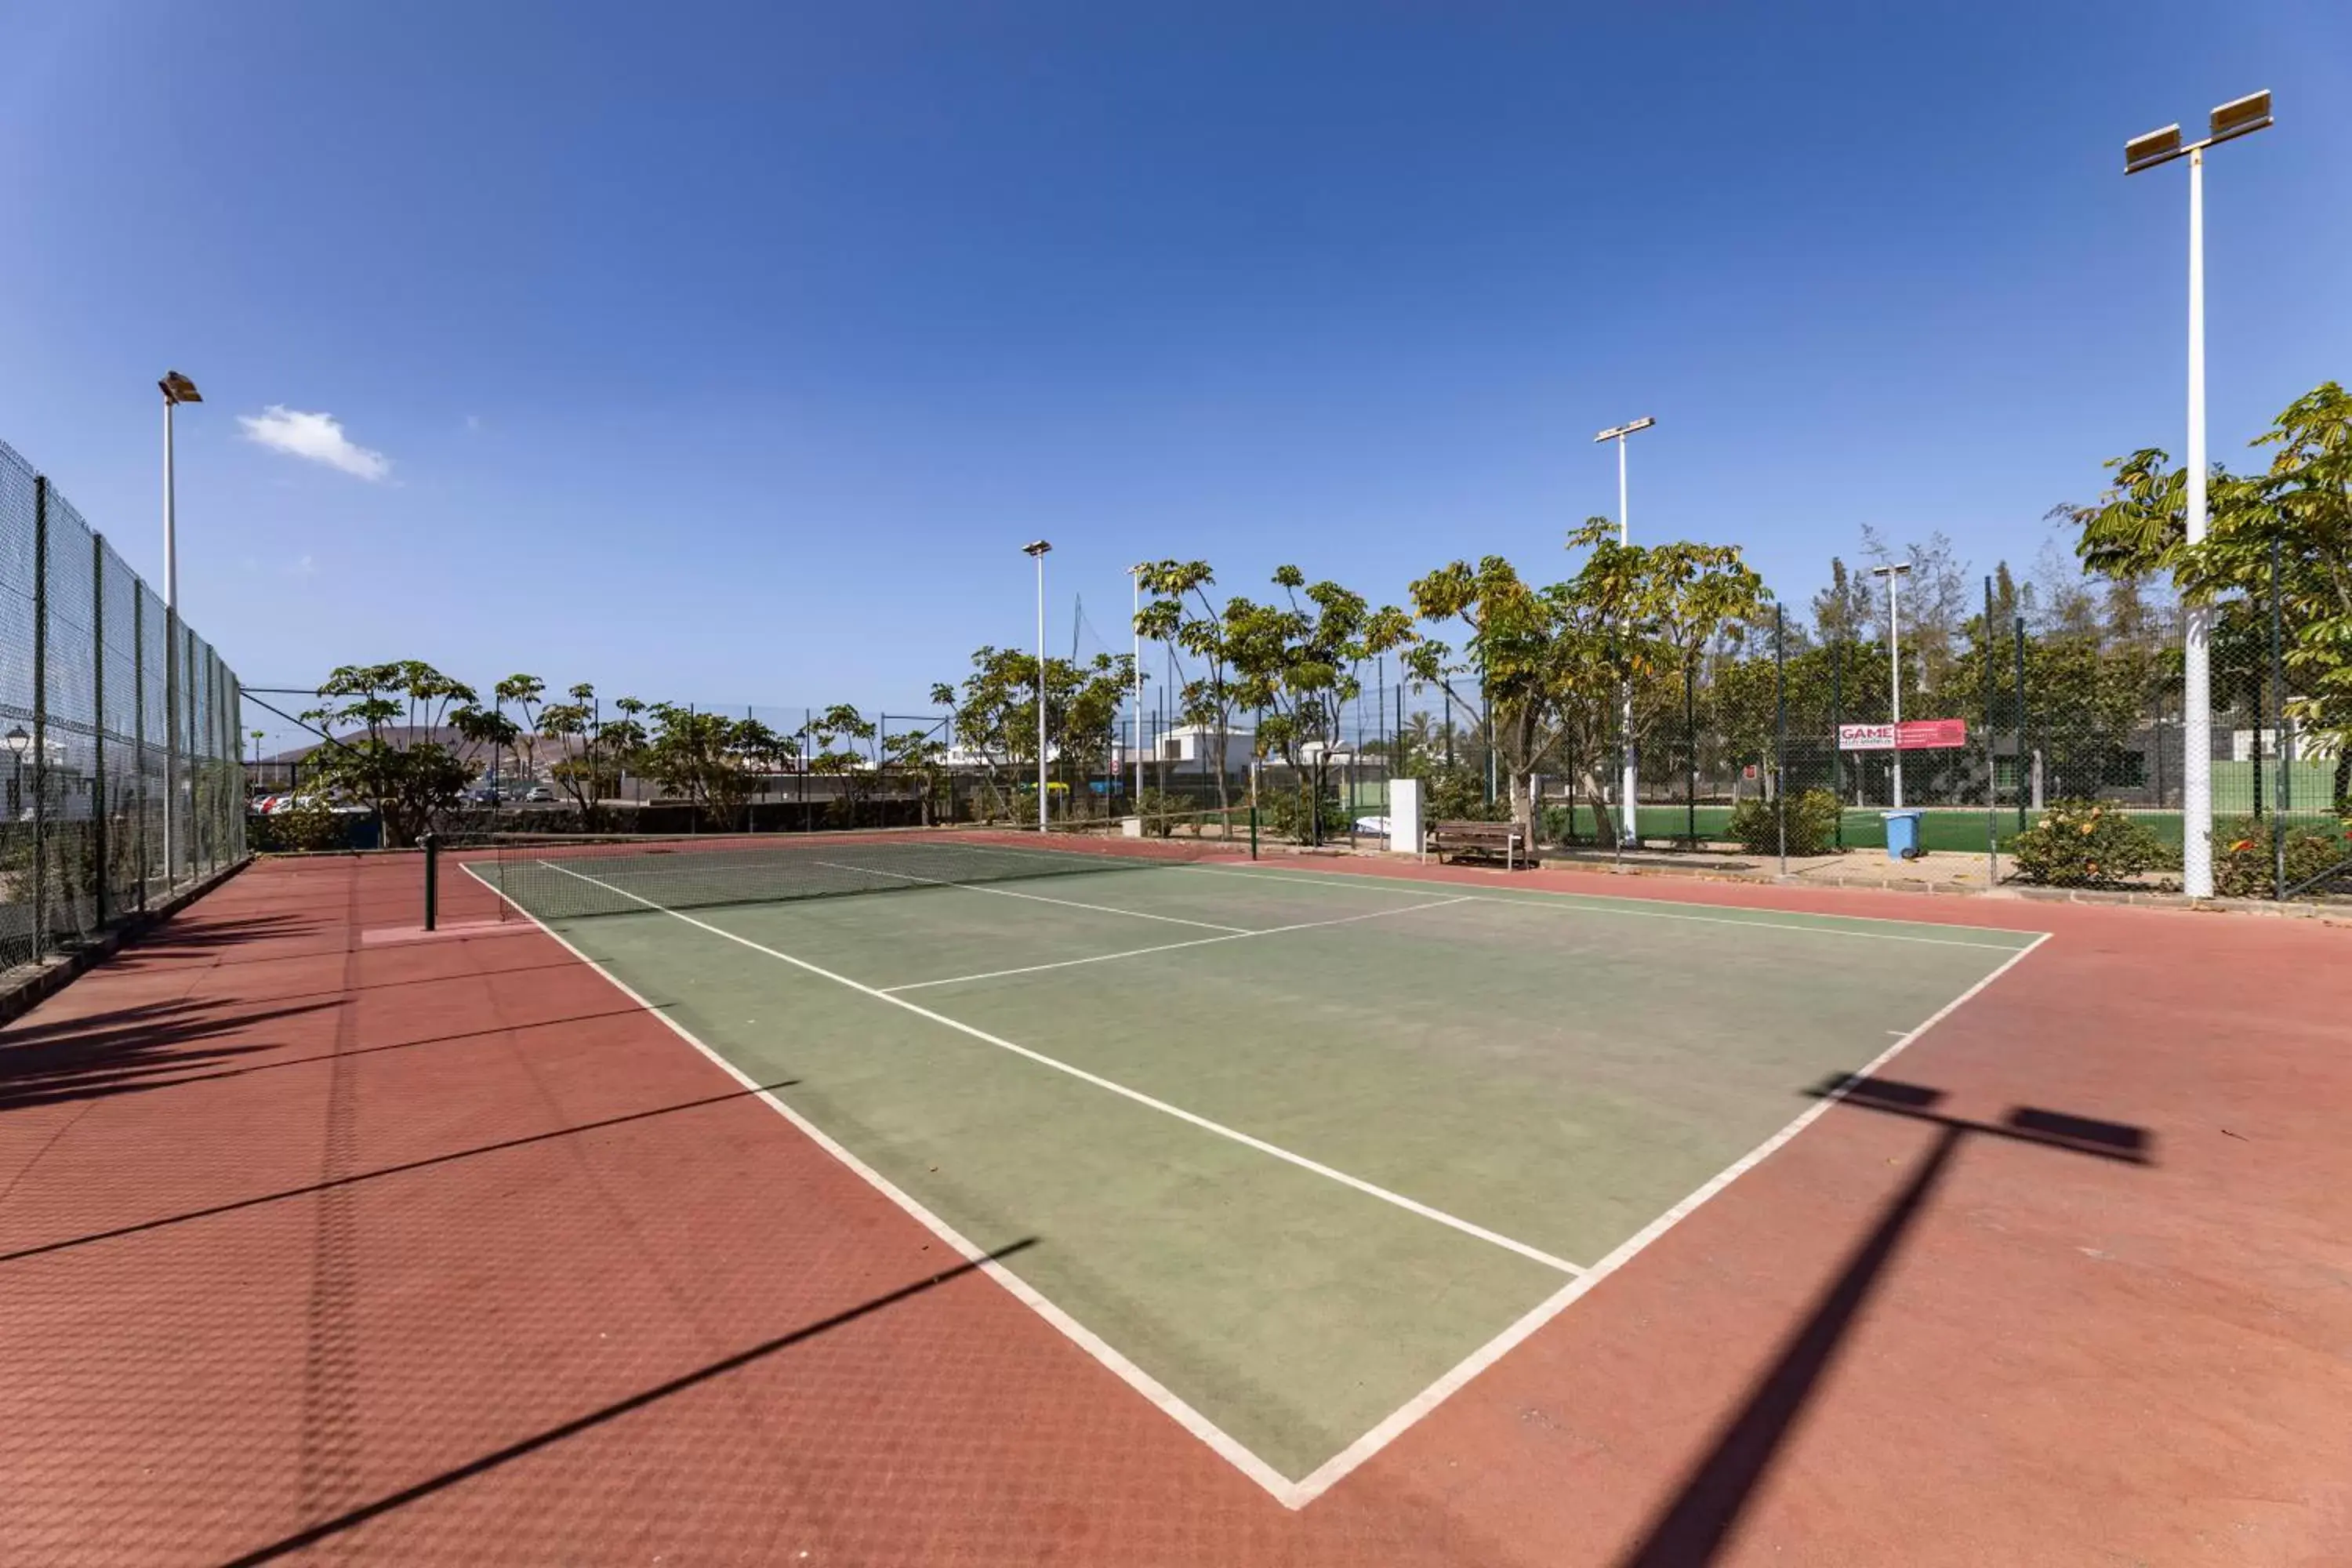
[[2196, 699], [1894, 675], [1135, 579], [1041, 691], [1632, 780], [171, 649]]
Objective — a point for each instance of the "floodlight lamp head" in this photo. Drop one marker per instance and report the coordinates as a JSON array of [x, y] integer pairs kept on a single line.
[[1619, 432], [178, 388], [1037, 547], [1894, 569], [2240, 116]]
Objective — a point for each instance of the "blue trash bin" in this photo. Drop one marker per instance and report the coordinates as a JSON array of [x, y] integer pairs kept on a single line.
[[1902, 835]]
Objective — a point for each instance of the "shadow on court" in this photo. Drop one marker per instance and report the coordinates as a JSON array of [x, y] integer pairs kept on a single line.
[[403, 1168], [1695, 1524], [486, 1463]]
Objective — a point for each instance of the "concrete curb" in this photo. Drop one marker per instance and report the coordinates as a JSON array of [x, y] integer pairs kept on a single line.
[[50, 975]]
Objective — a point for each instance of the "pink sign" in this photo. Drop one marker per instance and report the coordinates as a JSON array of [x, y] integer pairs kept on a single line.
[[1911, 735]]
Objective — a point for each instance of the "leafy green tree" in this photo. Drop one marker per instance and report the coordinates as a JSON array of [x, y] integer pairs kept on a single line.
[[1181, 613], [526, 692], [920, 757], [408, 777], [713, 761], [1297, 662], [596, 749], [995, 713], [2304, 503]]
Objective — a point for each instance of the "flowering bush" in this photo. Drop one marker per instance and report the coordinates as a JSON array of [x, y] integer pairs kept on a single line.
[[2245, 866], [2087, 844]]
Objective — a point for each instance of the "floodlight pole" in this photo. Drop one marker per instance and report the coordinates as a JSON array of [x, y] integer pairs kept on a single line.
[[1135, 580], [1629, 784], [176, 389], [1894, 667], [2241, 117], [2197, 663], [1037, 553]]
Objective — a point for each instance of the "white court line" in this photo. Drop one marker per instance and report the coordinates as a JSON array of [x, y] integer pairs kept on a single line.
[[1167, 1401], [1329, 1473], [1574, 904], [1000, 892], [1168, 947], [1410, 1205]]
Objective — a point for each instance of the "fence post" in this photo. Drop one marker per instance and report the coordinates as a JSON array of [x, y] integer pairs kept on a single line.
[[1690, 751], [2024, 769], [139, 725], [2278, 735], [1781, 732], [40, 713], [1837, 722], [98, 723], [1993, 764]]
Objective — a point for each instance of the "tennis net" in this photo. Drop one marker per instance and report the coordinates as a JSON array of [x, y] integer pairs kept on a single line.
[[569, 876]]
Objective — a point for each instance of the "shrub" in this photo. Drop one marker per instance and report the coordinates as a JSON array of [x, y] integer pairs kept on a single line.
[[310, 824], [1160, 811], [1458, 793], [1812, 823], [1281, 813], [2245, 865], [2087, 844]]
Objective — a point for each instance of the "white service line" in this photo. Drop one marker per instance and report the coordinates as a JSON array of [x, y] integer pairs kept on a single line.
[[1575, 903], [1007, 893], [1327, 1474], [1168, 947], [1409, 1205]]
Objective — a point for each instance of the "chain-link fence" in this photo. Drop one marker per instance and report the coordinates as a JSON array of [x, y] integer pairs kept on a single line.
[[122, 781]]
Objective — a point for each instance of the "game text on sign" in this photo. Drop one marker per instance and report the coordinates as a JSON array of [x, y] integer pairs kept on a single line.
[[1911, 735]]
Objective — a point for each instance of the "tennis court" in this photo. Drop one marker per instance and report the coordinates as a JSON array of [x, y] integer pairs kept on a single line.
[[1294, 1153]]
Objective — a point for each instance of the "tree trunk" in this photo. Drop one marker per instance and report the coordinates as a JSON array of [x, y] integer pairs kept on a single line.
[[1523, 801], [1604, 821]]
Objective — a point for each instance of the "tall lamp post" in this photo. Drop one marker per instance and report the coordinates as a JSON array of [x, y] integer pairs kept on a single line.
[[1895, 573], [1625, 536], [2241, 117], [1135, 580], [176, 389], [1038, 551]]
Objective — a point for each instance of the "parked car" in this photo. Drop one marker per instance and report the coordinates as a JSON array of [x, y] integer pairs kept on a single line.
[[538, 794]]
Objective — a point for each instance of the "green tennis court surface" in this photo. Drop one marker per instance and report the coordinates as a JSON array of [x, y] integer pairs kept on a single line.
[[1293, 1147]]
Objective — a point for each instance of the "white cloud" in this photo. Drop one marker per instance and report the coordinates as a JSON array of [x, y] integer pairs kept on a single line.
[[316, 437]]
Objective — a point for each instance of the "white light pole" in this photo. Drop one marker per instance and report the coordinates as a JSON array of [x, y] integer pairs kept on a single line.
[[1894, 574], [1037, 552], [177, 389], [1625, 536], [1135, 580], [2240, 117]]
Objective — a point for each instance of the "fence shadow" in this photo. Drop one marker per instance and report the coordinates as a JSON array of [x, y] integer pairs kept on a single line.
[[1694, 1525], [124, 1050], [485, 1463]]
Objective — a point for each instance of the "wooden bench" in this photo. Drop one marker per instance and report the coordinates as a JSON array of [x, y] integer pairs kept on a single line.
[[1501, 841]]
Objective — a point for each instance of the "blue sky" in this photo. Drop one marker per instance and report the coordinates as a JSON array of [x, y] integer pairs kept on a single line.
[[730, 354]]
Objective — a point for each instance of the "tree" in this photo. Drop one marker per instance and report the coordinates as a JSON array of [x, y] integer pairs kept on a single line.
[[1181, 613], [526, 692], [1845, 611], [920, 755], [835, 739], [1554, 662], [1297, 662], [407, 776], [995, 712], [711, 760], [2304, 504], [596, 749]]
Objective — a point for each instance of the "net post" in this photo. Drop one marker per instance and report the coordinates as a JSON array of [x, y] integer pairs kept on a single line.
[[431, 844], [2024, 770], [1253, 811]]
